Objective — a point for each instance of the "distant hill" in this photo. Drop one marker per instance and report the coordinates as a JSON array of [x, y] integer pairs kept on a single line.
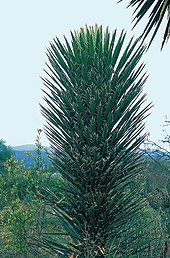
[[20, 154], [156, 154], [27, 147]]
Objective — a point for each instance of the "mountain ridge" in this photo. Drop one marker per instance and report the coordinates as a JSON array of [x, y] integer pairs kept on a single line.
[[20, 153], [27, 147]]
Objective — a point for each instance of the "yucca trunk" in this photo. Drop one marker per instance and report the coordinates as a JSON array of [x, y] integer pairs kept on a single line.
[[95, 121]]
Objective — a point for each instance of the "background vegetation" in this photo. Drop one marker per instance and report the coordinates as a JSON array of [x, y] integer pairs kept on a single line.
[[22, 217]]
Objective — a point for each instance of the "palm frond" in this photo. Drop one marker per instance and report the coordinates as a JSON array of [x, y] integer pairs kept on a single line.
[[157, 10]]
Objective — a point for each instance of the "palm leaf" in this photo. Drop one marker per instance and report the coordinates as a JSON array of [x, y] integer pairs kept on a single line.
[[157, 10]]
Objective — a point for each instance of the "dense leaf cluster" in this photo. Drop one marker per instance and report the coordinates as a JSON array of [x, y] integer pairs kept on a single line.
[[95, 120]]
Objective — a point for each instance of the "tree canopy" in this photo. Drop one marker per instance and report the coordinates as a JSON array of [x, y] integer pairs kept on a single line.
[[5, 152]]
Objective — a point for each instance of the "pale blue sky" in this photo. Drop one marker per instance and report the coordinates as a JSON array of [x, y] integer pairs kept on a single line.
[[26, 29]]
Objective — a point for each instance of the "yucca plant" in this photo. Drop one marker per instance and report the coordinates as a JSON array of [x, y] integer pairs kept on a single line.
[[158, 10], [95, 120]]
